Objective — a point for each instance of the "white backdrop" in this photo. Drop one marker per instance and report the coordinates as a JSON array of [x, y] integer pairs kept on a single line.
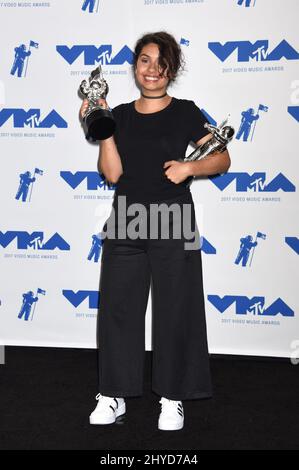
[[241, 57]]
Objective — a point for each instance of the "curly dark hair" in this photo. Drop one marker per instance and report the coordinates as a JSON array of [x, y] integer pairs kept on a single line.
[[170, 52]]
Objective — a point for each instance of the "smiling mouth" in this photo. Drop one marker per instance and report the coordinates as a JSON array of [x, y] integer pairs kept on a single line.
[[149, 78]]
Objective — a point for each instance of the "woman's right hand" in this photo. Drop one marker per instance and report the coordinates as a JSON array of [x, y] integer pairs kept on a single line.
[[103, 103], [84, 106]]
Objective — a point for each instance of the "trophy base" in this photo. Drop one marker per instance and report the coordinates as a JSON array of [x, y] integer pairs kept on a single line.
[[100, 124]]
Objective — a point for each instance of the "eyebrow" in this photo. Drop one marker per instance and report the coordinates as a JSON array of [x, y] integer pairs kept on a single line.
[[143, 53]]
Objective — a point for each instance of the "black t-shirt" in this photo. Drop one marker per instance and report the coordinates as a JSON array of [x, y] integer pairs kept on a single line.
[[146, 141]]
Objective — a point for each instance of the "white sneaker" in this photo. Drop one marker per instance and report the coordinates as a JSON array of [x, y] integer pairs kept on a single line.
[[172, 415], [107, 410]]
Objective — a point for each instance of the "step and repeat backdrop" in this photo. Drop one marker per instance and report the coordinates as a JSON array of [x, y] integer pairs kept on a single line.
[[242, 60]]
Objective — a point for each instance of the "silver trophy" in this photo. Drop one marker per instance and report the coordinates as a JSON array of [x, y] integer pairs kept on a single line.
[[222, 135], [98, 120]]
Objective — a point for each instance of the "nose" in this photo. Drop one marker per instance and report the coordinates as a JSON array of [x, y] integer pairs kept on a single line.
[[153, 67]]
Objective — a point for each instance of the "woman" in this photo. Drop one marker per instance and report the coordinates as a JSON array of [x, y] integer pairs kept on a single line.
[[142, 157]]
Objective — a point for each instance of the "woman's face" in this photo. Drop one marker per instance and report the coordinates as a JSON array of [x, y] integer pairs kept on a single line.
[[148, 71]]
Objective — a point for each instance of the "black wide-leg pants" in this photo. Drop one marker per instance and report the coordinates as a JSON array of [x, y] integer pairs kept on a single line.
[[180, 367]]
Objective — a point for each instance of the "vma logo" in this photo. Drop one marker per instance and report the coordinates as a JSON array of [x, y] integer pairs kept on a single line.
[[257, 51], [207, 247], [93, 180], [34, 240], [92, 6], [246, 3], [255, 182], [76, 298], [294, 112], [293, 243], [255, 306], [31, 118], [96, 55]]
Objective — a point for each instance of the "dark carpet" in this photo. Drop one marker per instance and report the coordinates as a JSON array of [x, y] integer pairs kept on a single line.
[[47, 395]]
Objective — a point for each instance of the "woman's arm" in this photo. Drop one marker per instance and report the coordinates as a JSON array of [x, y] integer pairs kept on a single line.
[[217, 163], [212, 164], [109, 162]]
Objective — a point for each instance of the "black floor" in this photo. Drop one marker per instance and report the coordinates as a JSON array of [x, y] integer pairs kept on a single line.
[[47, 395]]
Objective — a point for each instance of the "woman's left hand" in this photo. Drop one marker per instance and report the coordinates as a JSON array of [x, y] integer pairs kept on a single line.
[[177, 171]]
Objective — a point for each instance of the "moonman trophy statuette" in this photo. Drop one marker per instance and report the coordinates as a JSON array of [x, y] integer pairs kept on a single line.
[[98, 120], [222, 135]]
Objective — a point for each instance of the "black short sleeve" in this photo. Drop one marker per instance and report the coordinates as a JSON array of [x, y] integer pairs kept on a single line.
[[195, 122], [116, 111]]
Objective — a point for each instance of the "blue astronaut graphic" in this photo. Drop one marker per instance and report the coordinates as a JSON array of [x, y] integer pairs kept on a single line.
[[90, 4], [21, 54], [184, 42], [26, 184], [29, 301], [247, 3], [248, 117], [248, 122], [95, 249], [247, 246]]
